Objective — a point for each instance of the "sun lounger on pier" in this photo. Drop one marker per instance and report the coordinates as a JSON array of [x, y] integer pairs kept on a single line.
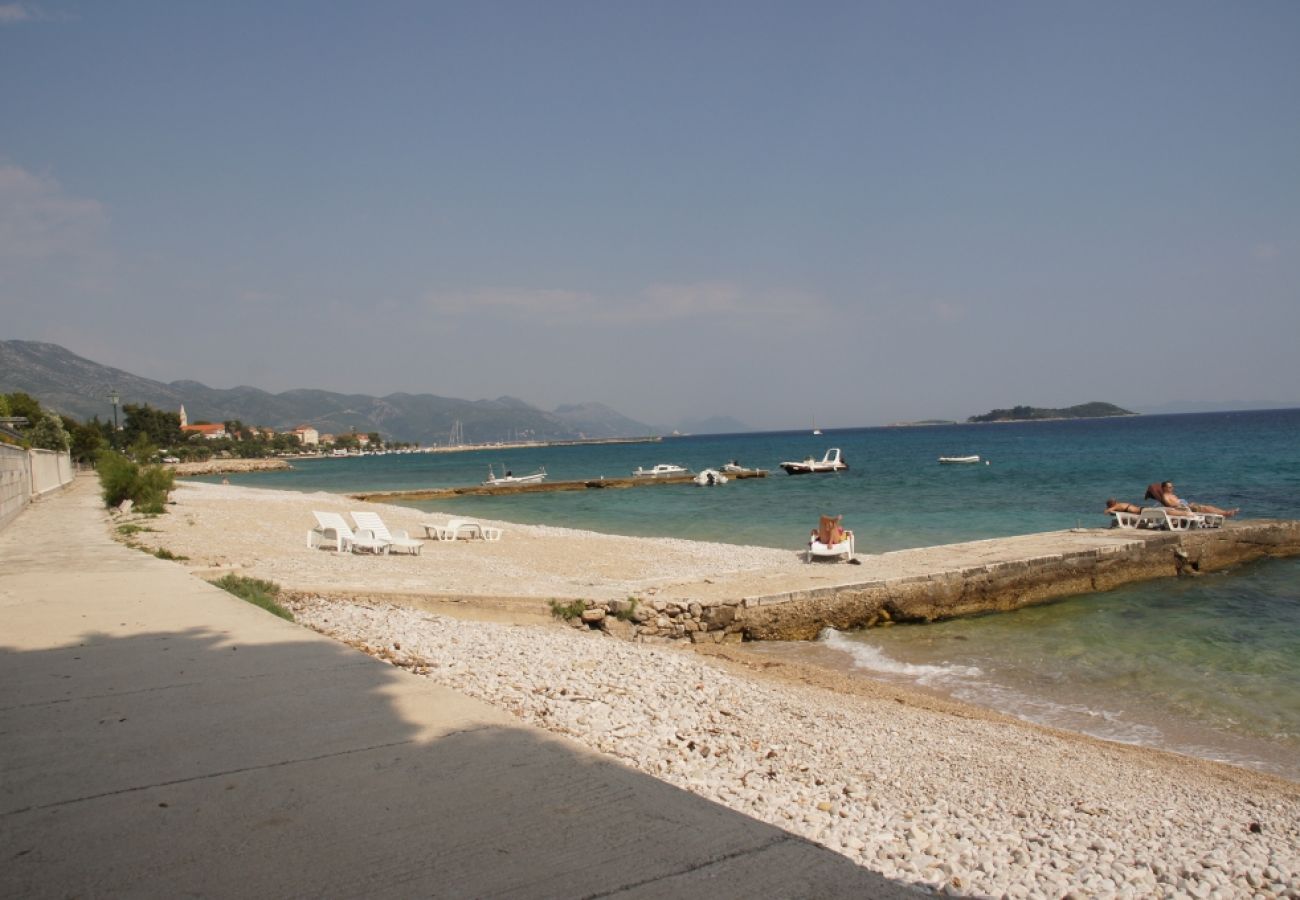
[[1126, 519], [830, 541], [398, 540], [1171, 520], [332, 529]]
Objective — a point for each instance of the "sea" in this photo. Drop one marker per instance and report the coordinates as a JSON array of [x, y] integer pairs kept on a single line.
[[1206, 666]]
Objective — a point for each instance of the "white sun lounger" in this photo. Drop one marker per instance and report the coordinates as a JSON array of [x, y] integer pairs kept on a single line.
[[397, 540], [456, 529], [332, 529], [1126, 519], [828, 551], [1159, 517]]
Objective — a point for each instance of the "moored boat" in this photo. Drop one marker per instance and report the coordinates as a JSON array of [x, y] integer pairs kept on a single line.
[[831, 462], [659, 471], [710, 477], [510, 478], [958, 460]]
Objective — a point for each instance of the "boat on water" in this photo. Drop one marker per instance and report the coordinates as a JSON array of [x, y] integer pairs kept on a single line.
[[710, 477], [493, 480], [659, 471], [959, 460], [831, 462]]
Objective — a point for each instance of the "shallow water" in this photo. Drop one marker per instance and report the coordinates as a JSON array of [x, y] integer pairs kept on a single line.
[[1207, 666]]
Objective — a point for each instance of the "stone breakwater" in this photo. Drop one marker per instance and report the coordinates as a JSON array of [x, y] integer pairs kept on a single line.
[[967, 805], [228, 466], [996, 575]]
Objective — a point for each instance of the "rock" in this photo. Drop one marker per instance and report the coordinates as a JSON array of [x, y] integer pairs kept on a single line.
[[596, 614]]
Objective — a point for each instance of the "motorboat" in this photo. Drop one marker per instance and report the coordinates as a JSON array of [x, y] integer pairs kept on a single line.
[[710, 477], [661, 470], [831, 462], [735, 468], [958, 460], [493, 480]]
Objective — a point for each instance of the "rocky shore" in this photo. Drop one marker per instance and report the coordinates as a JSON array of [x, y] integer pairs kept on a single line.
[[970, 805]]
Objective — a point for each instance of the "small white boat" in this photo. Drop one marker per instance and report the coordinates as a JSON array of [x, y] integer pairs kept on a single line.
[[510, 478], [958, 460], [735, 468], [831, 462], [659, 471], [710, 477]]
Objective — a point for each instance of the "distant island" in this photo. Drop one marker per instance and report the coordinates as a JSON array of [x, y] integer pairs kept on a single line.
[[1032, 413], [920, 422]]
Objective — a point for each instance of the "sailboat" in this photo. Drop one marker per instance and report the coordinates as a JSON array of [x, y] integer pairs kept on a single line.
[[816, 430]]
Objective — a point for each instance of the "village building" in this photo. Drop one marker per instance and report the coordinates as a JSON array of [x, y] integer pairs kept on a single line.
[[307, 436]]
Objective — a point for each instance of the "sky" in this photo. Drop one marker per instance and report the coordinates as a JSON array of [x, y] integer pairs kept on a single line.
[[847, 213]]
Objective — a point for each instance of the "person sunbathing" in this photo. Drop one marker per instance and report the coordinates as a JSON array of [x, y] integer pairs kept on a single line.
[[830, 532], [1113, 505], [1163, 493]]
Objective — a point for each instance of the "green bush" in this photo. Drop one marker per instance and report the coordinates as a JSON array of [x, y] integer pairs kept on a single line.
[[255, 591], [571, 610], [146, 487]]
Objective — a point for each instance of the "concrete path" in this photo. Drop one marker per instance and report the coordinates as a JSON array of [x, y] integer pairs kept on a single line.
[[160, 737]]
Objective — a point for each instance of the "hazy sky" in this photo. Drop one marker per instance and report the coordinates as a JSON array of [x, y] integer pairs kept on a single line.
[[855, 212]]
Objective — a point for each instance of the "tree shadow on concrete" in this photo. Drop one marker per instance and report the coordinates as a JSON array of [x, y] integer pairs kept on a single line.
[[177, 763]]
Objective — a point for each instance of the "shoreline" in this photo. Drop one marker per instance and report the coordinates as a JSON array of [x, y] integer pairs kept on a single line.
[[923, 788]]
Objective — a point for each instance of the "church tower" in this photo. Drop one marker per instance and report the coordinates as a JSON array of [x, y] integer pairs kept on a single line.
[[184, 419]]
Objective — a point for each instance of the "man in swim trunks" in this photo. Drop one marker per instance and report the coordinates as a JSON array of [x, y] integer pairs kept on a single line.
[[1163, 493]]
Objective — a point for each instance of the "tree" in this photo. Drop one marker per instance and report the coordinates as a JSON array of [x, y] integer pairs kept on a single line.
[[24, 405], [87, 439], [47, 433], [163, 429]]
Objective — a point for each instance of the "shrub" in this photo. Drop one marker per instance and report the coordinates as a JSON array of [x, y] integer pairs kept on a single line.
[[570, 610], [146, 487], [255, 591]]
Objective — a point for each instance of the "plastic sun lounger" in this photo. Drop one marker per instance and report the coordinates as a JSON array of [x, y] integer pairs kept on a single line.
[[331, 528], [829, 551], [1126, 519], [1159, 517], [398, 540], [456, 529]]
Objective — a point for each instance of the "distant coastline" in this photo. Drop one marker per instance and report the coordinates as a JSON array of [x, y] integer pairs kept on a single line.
[[1094, 410]]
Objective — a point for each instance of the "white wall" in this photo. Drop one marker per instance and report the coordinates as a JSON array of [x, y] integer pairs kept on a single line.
[[25, 474]]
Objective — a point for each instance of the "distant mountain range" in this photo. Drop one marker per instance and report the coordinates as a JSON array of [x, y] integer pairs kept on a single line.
[[78, 387]]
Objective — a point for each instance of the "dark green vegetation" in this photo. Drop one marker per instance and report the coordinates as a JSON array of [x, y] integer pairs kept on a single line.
[[122, 478], [255, 591], [79, 387], [565, 611], [1093, 410]]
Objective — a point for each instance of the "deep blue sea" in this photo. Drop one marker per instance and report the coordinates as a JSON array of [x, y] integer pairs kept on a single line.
[[1207, 666]]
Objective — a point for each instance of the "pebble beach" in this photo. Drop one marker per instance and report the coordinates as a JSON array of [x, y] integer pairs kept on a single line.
[[923, 790]]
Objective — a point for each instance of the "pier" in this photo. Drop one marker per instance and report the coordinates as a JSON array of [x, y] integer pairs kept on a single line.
[[542, 487], [931, 583]]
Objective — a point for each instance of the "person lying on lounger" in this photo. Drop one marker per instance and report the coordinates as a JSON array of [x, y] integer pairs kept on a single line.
[[1163, 493], [1113, 505]]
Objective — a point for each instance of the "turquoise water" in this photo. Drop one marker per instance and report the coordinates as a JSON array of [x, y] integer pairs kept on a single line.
[[1209, 666]]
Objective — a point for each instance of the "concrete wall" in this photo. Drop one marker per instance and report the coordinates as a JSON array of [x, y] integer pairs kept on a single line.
[[51, 470], [25, 474], [15, 482]]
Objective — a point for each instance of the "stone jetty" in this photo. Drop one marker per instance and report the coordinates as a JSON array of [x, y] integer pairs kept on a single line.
[[943, 582]]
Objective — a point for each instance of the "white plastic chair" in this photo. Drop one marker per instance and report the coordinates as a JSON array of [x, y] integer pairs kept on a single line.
[[397, 540]]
